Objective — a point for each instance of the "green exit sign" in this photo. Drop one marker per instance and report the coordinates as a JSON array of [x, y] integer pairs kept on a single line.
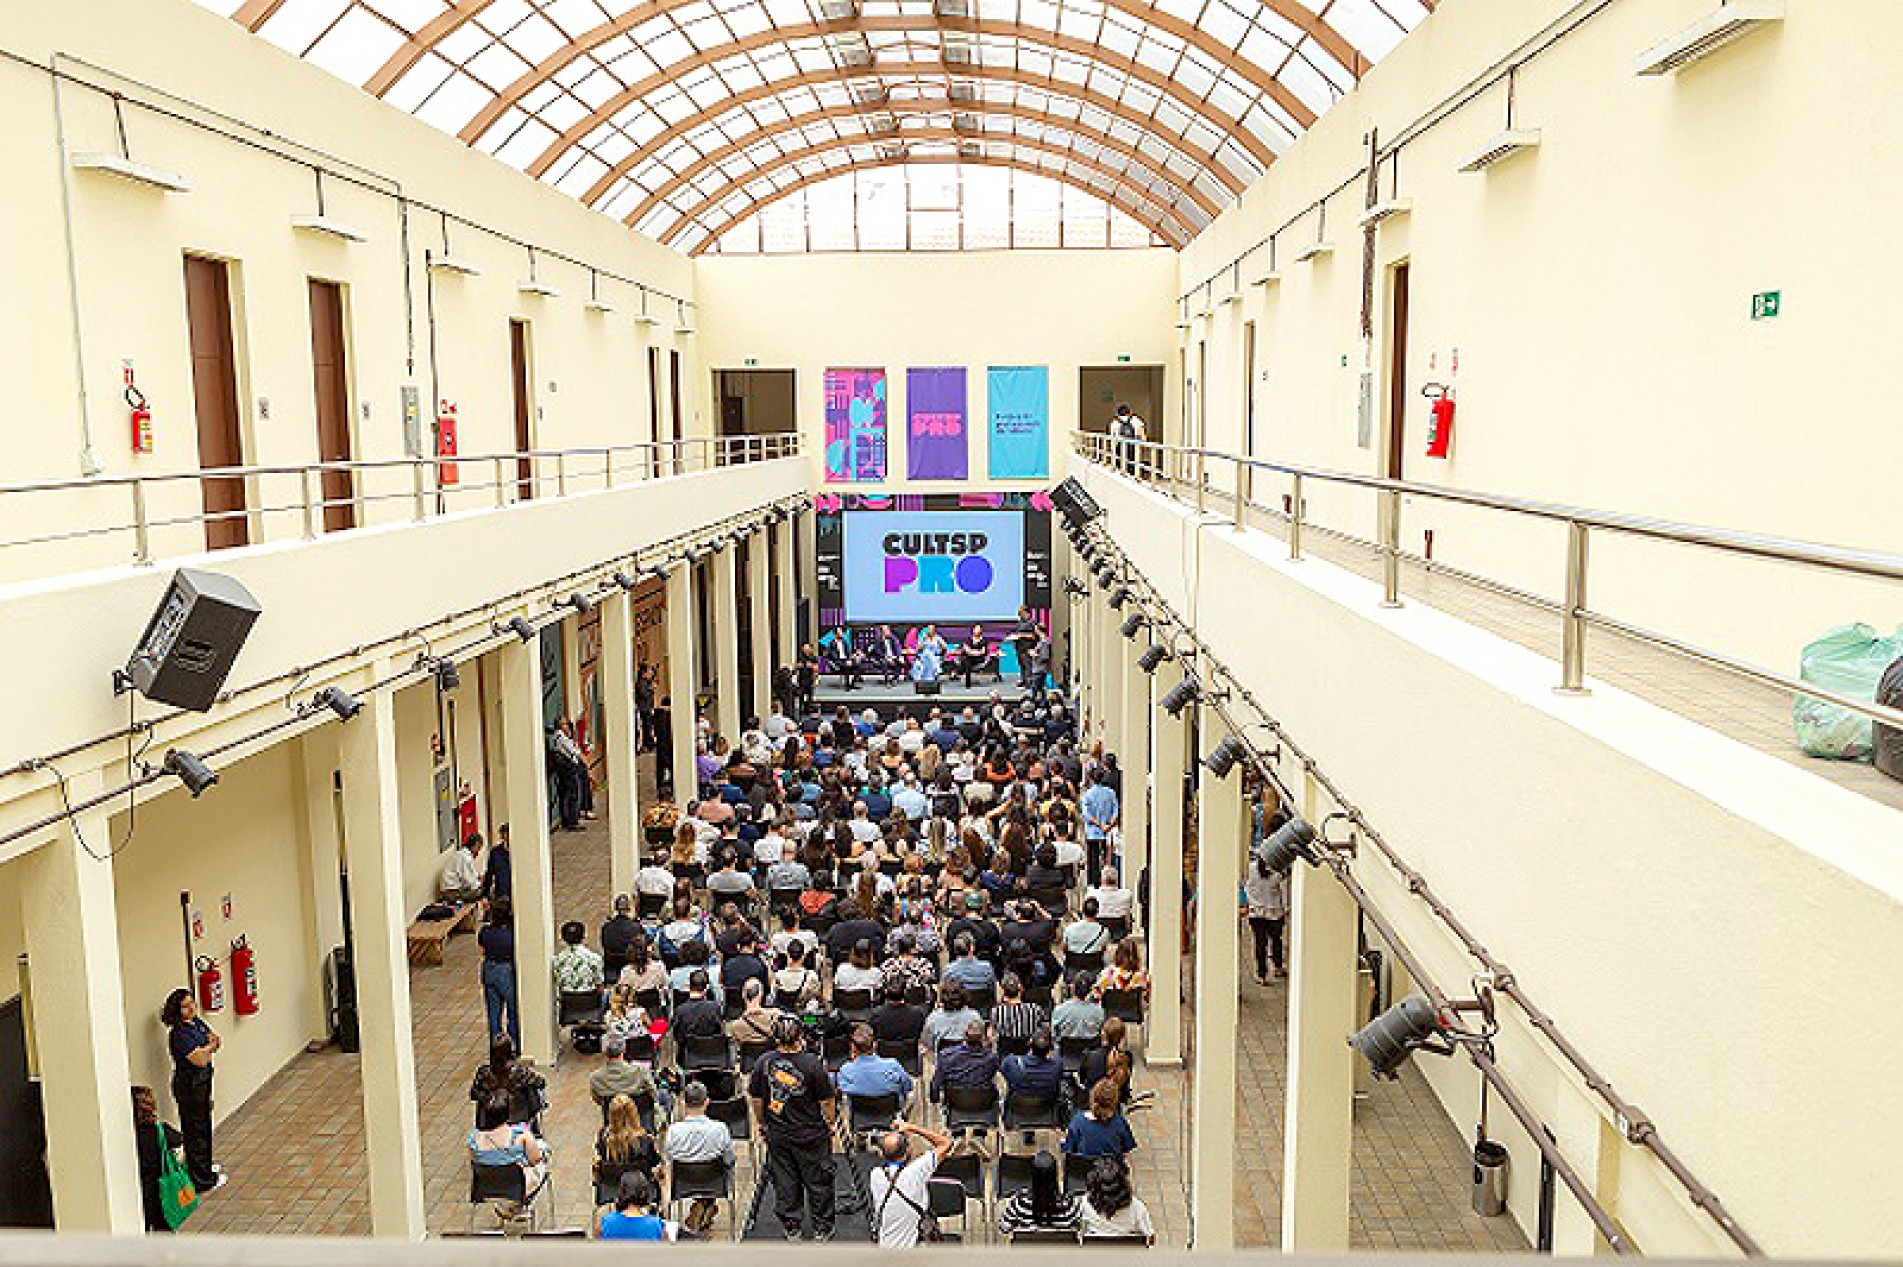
[[1766, 304], [751, 361], [1123, 360]]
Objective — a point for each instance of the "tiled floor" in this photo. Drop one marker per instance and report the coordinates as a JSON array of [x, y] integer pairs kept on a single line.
[[295, 1151], [1757, 716]]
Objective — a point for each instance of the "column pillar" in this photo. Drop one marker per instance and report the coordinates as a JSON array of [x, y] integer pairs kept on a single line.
[[1110, 671], [79, 1026], [787, 622], [619, 745], [1134, 753], [528, 839], [1212, 1170], [760, 626], [1163, 1042], [1318, 1142], [682, 679], [373, 851], [725, 614]]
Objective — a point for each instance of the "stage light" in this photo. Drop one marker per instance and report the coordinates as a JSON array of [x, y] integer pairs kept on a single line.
[[1409, 1026], [1225, 755], [447, 676], [656, 571], [1153, 655], [1132, 624], [522, 628], [189, 770], [338, 701], [1075, 588], [1107, 578], [1291, 842], [625, 581], [1119, 596], [1179, 697], [580, 602]]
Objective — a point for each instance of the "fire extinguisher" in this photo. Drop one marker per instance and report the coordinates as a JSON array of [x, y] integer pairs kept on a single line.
[[447, 474], [211, 985], [244, 978], [1440, 419], [141, 415]]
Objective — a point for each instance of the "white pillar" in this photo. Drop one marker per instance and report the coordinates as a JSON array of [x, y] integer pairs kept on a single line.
[[725, 613], [1163, 1040], [373, 850], [619, 745], [1110, 672], [534, 896], [787, 625], [1318, 1142], [1082, 630], [1134, 753], [317, 801], [1223, 824], [682, 679], [760, 626], [79, 1025]]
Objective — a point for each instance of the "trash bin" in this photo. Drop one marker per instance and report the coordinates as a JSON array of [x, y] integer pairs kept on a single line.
[[1490, 1178]]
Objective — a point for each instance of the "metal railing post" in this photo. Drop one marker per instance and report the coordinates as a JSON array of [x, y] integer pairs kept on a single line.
[[561, 472], [1244, 473], [1572, 660], [1391, 548], [1200, 472], [141, 526], [607, 466], [502, 489], [1295, 515], [418, 502], [310, 518]]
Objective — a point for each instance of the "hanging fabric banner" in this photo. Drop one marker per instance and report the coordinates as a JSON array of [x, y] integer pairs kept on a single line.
[[1020, 403], [855, 425], [935, 431]]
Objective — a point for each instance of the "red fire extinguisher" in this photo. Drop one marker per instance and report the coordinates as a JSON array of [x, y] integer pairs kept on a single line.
[[447, 473], [1440, 424], [244, 978], [141, 414], [211, 985]]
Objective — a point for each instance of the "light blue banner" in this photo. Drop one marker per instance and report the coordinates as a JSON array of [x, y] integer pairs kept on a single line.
[[1020, 403]]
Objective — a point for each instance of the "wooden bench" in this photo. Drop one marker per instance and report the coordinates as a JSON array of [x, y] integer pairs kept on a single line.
[[427, 937]]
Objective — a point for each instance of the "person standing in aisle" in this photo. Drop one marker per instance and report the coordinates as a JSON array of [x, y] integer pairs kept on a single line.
[[193, 1045], [498, 972], [793, 1101], [646, 683]]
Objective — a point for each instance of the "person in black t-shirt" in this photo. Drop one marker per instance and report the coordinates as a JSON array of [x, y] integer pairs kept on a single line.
[[895, 1020], [792, 1098]]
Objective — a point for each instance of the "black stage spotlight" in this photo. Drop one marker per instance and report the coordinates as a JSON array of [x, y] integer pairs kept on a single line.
[[522, 629], [448, 678], [1223, 758], [1119, 596], [1179, 697], [189, 770], [1294, 840], [655, 571], [625, 581], [1153, 655], [1107, 577], [580, 602], [1409, 1026], [1132, 624], [1075, 588], [338, 701]]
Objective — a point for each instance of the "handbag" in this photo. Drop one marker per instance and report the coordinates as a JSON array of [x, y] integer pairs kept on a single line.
[[178, 1196]]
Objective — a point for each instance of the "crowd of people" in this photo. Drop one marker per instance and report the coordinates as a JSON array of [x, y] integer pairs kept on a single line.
[[858, 917]]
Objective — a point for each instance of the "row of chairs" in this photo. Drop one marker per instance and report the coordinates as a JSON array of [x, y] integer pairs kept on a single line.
[[961, 1182]]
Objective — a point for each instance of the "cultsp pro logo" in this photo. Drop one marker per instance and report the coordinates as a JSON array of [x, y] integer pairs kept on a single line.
[[936, 563]]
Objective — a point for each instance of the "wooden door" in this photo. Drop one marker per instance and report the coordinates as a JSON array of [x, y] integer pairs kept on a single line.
[[1397, 373], [519, 390], [674, 391], [654, 395], [215, 400], [1248, 389], [330, 381]]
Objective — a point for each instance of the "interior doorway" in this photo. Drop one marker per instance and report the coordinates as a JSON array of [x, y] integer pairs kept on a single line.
[[522, 397], [1101, 388], [330, 375], [215, 399], [755, 402], [1397, 372], [1248, 389]]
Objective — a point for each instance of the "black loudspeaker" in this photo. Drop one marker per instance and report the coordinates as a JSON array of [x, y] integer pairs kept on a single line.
[[1075, 502], [926, 688], [192, 641]]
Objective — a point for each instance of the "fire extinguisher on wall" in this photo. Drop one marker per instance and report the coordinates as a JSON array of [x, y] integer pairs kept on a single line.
[[141, 414], [211, 985], [1440, 419], [244, 978]]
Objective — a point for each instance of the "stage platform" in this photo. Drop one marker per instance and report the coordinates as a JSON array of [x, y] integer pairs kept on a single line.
[[830, 692]]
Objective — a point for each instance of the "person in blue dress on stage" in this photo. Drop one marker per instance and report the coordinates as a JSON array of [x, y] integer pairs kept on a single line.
[[928, 660]]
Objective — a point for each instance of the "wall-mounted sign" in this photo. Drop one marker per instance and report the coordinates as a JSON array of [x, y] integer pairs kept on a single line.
[[1766, 304]]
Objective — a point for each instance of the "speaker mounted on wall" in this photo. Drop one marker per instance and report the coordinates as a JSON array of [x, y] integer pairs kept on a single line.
[[192, 641]]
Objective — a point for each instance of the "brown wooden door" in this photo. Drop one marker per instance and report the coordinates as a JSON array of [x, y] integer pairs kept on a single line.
[[519, 387], [215, 399], [330, 381], [674, 391], [1248, 389], [654, 395], [1397, 374]]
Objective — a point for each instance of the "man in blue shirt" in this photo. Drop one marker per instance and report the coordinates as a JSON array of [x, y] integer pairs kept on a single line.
[[972, 974], [966, 1064], [868, 1074], [1098, 808], [1036, 1073]]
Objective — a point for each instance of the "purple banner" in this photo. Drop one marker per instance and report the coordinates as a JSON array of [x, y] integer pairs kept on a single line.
[[936, 423], [855, 425]]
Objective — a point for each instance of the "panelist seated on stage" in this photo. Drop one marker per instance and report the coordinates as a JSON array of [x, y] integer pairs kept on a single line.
[[976, 654], [885, 654], [928, 655], [843, 655]]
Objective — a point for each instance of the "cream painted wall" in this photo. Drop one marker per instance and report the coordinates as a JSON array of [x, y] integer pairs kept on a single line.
[[1709, 924], [589, 369], [1056, 308], [239, 839], [1598, 294]]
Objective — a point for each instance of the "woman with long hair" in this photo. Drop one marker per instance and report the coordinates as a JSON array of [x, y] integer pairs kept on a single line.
[[644, 970], [1043, 1206], [1110, 1208], [1100, 1129], [861, 972], [154, 1139], [1125, 970], [623, 1147], [506, 1076]]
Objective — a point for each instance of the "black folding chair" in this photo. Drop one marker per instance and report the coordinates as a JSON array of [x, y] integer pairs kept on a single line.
[[1077, 961], [705, 1051], [653, 1001], [903, 1052], [835, 1049], [1131, 1240], [701, 1180], [1011, 1173], [1077, 1174], [854, 1005], [497, 1186], [1031, 1113], [739, 1121], [967, 1108], [982, 1001], [969, 1170], [1118, 926], [650, 906], [945, 1198], [1041, 1236], [1013, 1045], [871, 1112], [1072, 1051], [750, 1054], [579, 1007], [1125, 1005], [1052, 900]]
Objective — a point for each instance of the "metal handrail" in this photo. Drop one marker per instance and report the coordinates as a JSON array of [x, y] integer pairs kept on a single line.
[[1174, 465], [435, 479]]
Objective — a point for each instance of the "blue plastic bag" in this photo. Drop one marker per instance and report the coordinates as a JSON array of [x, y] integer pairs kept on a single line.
[[1849, 660]]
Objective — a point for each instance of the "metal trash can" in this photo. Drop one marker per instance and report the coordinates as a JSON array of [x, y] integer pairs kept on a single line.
[[1490, 1178]]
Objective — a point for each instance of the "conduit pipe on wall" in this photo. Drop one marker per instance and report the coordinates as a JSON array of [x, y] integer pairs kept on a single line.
[[1637, 1127]]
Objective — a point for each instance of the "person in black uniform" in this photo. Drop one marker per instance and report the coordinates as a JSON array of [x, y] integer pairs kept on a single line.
[[192, 1045], [793, 1101]]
